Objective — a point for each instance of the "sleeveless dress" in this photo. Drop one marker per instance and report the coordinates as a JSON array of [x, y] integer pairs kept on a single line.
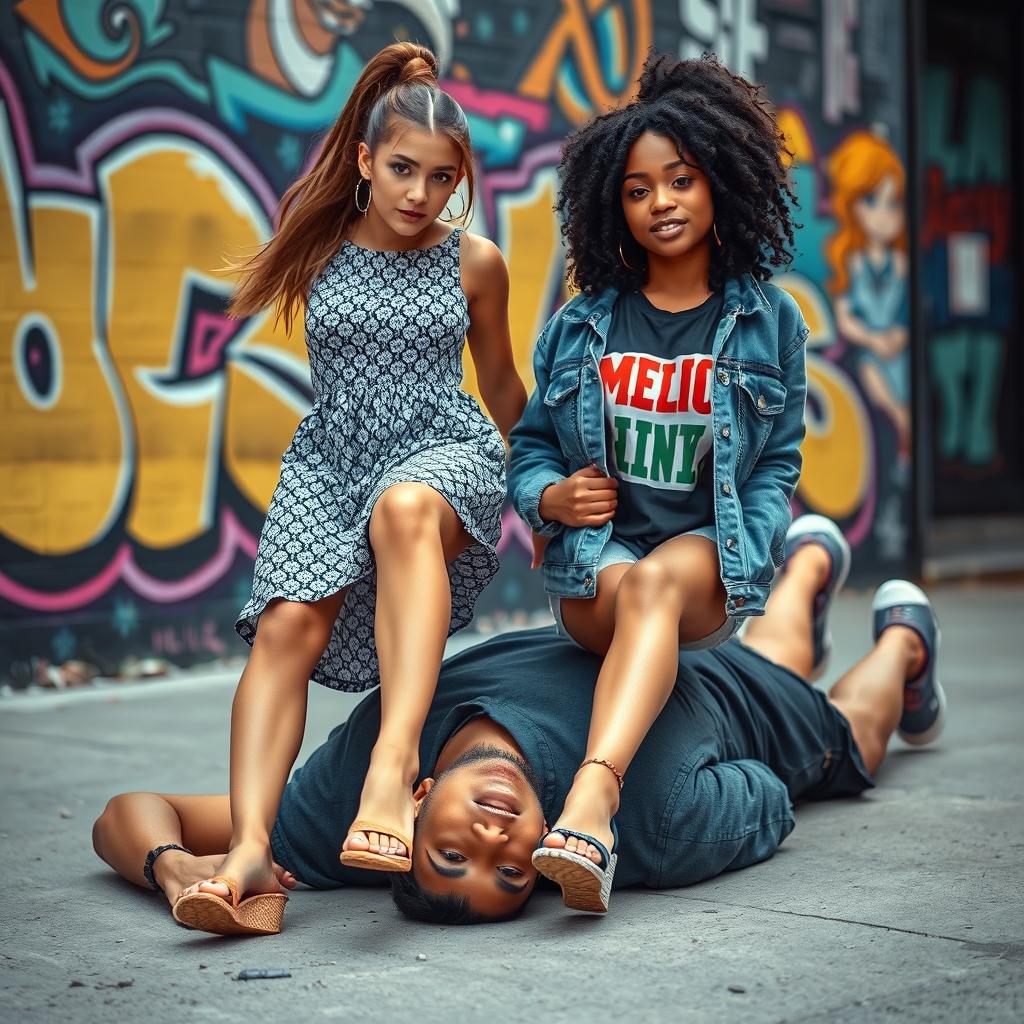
[[385, 333]]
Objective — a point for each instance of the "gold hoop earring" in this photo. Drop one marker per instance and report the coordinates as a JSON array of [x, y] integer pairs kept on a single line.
[[714, 229], [463, 211], [369, 193], [624, 263]]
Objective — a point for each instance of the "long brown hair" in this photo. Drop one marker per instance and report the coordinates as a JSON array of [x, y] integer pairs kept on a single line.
[[317, 211]]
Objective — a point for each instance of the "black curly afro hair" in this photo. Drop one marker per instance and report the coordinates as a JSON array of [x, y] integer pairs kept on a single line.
[[722, 121]]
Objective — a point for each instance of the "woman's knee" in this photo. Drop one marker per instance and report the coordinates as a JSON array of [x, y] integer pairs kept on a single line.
[[646, 585], [404, 513], [289, 628], [107, 823]]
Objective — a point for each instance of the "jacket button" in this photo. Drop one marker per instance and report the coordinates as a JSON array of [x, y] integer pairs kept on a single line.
[[740, 602], [761, 403], [726, 489], [726, 431], [587, 581], [723, 377], [731, 543]]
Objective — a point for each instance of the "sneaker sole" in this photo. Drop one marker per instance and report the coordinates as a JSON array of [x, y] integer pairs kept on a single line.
[[904, 592], [822, 524]]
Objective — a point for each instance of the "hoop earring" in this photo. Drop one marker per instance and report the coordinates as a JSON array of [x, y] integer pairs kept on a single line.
[[624, 263], [369, 193], [462, 213], [714, 230]]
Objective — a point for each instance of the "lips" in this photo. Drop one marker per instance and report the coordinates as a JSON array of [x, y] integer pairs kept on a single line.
[[412, 214], [670, 225]]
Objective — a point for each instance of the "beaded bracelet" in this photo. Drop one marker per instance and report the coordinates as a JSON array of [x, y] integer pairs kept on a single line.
[[147, 868]]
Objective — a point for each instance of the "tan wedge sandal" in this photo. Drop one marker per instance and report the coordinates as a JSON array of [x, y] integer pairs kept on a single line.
[[377, 861], [208, 912]]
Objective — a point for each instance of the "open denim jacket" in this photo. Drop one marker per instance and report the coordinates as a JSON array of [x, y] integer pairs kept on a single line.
[[757, 410]]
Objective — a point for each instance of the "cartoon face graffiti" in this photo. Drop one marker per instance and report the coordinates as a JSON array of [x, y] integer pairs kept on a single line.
[[880, 212]]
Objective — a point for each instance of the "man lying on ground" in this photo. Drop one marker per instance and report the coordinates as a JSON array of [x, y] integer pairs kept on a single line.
[[712, 788]]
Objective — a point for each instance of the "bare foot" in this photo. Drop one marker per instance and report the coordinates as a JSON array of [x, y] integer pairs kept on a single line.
[[387, 801], [248, 865], [589, 808]]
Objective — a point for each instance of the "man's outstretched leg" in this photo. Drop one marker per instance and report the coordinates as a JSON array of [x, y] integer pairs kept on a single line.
[[133, 824], [896, 685], [794, 631]]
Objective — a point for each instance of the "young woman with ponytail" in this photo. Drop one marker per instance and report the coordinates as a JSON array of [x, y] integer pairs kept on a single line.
[[382, 530]]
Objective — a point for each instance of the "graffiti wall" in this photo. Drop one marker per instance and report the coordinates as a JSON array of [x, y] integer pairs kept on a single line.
[[969, 263], [141, 140]]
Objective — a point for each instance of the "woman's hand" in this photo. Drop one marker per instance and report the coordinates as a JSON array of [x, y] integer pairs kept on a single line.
[[587, 498]]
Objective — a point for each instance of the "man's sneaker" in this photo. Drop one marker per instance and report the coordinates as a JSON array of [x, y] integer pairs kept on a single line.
[[900, 603], [823, 532]]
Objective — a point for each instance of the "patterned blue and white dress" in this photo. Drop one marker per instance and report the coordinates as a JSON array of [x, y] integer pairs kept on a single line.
[[385, 333]]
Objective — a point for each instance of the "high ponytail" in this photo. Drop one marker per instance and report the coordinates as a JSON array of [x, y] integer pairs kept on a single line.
[[317, 211]]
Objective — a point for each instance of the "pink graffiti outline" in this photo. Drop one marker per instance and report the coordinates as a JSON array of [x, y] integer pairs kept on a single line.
[[82, 180], [495, 103], [518, 177], [107, 137], [233, 537]]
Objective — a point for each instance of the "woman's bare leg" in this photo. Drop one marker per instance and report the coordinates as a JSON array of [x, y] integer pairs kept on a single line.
[[673, 595], [414, 533], [132, 824], [268, 718]]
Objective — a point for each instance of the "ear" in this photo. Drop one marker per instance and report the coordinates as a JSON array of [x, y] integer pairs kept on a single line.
[[421, 792], [363, 160]]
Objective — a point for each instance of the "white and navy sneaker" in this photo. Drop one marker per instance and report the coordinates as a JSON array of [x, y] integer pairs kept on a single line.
[[900, 603], [820, 530]]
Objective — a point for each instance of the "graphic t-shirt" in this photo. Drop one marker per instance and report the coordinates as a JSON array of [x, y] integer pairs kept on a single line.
[[657, 374]]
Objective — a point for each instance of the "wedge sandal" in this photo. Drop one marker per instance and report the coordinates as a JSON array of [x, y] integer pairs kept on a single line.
[[584, 884], [377, 861], [208, 912]]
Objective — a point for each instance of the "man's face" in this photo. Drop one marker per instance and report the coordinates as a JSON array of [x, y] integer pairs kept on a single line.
[[478, 825]]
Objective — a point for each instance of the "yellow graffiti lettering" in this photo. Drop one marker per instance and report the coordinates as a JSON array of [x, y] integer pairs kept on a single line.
[[62, 453], [836, 448], [119, 422], [530, 241], [156, 242]]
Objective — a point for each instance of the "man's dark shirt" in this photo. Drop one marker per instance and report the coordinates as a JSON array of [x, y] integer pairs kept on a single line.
[[710, 789]]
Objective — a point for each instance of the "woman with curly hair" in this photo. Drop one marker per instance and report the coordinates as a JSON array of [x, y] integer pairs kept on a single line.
[[658, 454]]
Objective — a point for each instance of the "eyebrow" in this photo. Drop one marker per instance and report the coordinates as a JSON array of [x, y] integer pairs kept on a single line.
[[501, 883], [416, 163], [667, 167]]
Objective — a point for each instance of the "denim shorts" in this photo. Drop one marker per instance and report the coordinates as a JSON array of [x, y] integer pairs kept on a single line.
[[618, 551]]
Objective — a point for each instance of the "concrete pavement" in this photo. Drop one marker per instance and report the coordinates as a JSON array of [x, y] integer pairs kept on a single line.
[[905, 904]]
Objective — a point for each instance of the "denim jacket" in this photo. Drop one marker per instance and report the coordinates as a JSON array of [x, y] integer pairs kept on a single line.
[[757, 410]]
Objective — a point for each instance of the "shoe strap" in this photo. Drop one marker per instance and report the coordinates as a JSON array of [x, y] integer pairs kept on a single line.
[[601, 848], [363, 825], [230, 883]]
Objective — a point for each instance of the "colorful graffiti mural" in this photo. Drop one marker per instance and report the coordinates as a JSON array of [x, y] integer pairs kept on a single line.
[[967, 240], [140, 140]]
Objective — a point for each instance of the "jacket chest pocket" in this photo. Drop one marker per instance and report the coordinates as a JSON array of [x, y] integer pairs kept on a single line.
[[761, 397], [562, 400]]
